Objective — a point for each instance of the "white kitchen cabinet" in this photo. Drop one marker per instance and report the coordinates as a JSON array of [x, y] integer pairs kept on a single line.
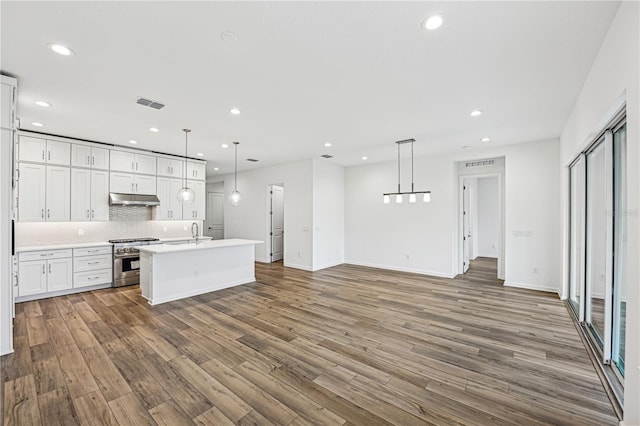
[[39, 150], [197, 171], [89, 156], [32, 180], [58, 194], [32, 278], [169, 167], [129, 183], [8, 107], [169, 208], [89, 195], [124, 161], [197, 209], [40, 272]]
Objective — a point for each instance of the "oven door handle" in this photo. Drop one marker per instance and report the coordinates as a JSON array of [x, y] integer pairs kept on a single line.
[[126, 256]]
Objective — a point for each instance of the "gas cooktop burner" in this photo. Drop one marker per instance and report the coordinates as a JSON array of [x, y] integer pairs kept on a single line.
[[133, 240]]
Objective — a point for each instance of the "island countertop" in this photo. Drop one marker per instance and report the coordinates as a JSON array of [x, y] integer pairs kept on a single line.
[[202, 245]]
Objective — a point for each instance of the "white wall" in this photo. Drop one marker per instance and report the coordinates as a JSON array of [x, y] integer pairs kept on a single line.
[[383, 235], [328, 214], [614, 75], [250, 219], [487, 221]]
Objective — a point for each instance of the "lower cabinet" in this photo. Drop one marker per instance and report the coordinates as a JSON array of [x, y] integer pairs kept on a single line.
[[41, 273]]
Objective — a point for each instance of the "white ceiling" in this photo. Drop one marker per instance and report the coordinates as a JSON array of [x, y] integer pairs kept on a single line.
[[360, 75]]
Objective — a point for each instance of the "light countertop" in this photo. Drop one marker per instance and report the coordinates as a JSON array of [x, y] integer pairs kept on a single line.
[[202, 245]]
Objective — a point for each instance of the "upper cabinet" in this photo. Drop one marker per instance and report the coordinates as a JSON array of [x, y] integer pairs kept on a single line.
[[196, 170], [89, 157], [8, 107], [37, 150], [170, 167], [125, 161]]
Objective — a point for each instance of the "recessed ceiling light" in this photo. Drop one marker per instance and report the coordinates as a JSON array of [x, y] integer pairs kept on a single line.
[[328, 144], [234, 111], [35, 123], [433, 22], [43, 104], [466, 146], [224, 145], [133, 142], [365, 158], [61, 50], [228, 36], [476, 113], [216, 169], [199, 154], [154, 130], [487, 139]]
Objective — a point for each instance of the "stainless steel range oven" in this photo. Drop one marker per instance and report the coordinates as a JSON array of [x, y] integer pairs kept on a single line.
[[126, 260]]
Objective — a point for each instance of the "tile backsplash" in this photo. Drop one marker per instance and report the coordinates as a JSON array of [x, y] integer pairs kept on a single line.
[[126, 222]]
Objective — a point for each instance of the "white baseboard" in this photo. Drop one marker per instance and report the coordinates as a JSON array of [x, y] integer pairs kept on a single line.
[[303, 267], [536, 287], [400, 269], [328, 265], [490, 256]]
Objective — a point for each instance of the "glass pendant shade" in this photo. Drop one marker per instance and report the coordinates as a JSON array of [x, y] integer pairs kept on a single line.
[[186, 195], [427, 197], [412, 198], [399, 199], [386, 199], [235, 198]]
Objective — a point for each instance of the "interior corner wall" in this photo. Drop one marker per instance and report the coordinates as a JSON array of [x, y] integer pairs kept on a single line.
[[487, 217], [328, 214], [250, 218], [614, 78]]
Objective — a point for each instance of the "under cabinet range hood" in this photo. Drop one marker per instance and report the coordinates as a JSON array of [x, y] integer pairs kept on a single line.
[[132, 200]]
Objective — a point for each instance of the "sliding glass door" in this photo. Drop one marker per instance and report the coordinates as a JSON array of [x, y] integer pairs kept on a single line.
[[598, 245]]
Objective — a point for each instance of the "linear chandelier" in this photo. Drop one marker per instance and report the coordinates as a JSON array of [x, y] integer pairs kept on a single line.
[[413, 195]]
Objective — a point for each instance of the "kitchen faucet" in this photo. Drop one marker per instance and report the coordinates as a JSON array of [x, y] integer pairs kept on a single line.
[[195, 231]]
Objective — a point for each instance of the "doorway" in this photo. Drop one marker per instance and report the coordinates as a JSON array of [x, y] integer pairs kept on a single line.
[[215, 212], [481, 223], [276, 232]]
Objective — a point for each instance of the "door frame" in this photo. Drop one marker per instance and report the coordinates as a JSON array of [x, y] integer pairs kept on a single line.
[[268, 255], [501, 200]]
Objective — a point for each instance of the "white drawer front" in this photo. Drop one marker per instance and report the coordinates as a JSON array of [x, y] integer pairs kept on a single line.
[[85, 279], [91, 251], [44, 255], [92, 263]]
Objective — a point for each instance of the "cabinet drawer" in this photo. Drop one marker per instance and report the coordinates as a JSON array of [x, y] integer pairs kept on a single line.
[[91, 263], [91, 251], [85, 279], [44, 255]]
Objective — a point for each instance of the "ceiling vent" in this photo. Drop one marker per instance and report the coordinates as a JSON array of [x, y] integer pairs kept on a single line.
[[149, 103], [326, 156], [480, 163], [253, 160]]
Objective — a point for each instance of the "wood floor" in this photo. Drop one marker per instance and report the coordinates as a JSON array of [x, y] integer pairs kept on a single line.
[[346, 345]]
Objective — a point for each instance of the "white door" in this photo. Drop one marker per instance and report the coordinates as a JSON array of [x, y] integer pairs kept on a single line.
[[162, 191], [121, 161], [100, 158], [99, 195], [145, 184], [277, 223], [465, 226], [196, 171], [80, 194], [59, 274], [175, 207], [31, 192], [32, 149], [58, 194], [80, 155], [215, 215], [145, 164], [32, 277]]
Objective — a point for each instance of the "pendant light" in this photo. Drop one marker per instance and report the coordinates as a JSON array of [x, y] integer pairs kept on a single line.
[[235, 196], [185, 194], [413, 195]]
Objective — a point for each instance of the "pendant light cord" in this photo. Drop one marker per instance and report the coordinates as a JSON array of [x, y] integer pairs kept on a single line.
[[399, 168], [411, 166], [235, 174], [186, 152]]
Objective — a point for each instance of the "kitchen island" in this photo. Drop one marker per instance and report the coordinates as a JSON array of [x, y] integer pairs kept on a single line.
[[172, 272]]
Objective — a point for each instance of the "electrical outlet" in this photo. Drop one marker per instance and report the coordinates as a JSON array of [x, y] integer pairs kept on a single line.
[[80, 231], [407, 256], [534, 269], [299, 254]]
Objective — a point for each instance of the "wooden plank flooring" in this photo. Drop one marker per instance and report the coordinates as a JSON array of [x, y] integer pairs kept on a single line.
[[346, 345]]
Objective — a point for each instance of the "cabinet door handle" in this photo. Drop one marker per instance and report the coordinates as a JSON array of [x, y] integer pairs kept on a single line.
[[132, 187], [49, 268], [87, 213], [88, 160], [136, 186], [49, 156], [42, 213], [43, 270], [132, 166], [93, 160], [43, 154], [93, 263], [93, 213], [48, 214], [136, 165]]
